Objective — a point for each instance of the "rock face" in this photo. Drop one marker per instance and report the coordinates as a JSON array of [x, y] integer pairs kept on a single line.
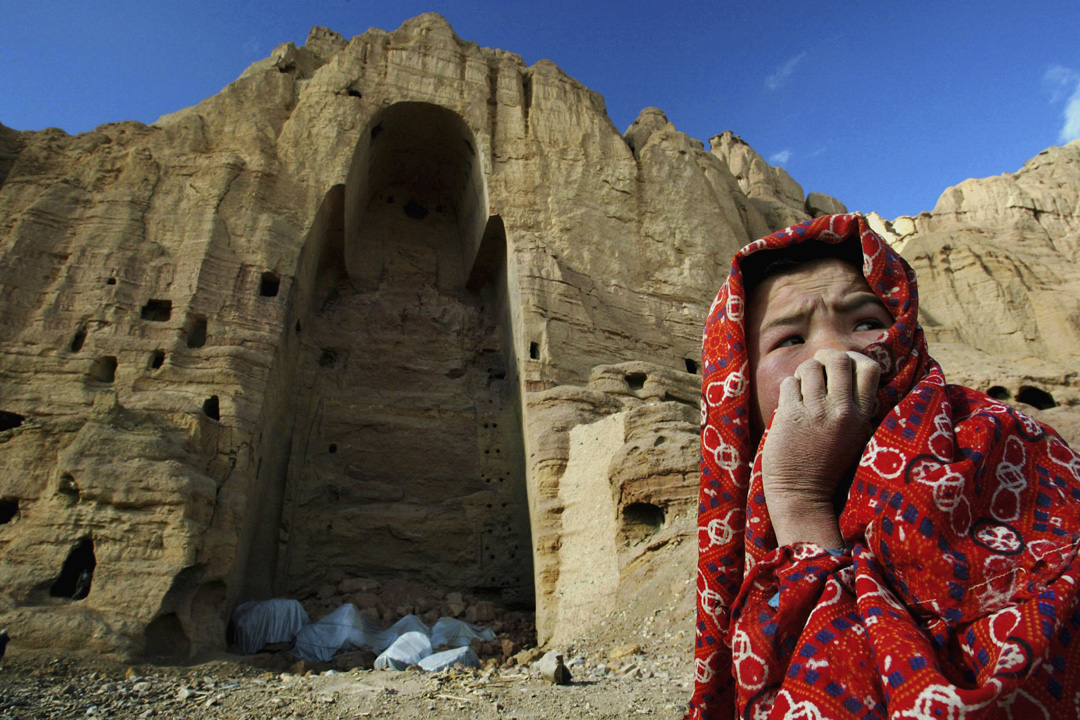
[[336, 321], [398, 308], [998, 261]]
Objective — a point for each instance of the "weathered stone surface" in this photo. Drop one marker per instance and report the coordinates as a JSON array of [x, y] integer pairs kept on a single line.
[[818, 204], [403, 312], [771, 190], [620, 479], [999, 282], [318, 301]]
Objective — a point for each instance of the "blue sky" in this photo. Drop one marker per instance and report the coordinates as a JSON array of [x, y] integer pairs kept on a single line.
[[880, 104]]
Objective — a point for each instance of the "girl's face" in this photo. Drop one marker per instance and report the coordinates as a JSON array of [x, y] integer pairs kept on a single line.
[[822, 304]]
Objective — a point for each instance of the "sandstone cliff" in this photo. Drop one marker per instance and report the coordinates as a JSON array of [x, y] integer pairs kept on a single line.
[[998, 261], [308, 330]]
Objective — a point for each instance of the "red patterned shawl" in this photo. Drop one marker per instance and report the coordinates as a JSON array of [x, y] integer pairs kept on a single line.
[[956, 597]]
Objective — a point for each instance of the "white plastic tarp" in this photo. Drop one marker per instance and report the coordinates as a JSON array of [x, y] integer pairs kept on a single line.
[[451, 632], [405, 643], [409, 623], [409, 649], [449, 658], [344, 629], [257, 623]]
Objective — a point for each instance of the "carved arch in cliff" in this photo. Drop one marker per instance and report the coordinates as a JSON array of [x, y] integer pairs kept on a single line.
[[405, 451], [420, 161]]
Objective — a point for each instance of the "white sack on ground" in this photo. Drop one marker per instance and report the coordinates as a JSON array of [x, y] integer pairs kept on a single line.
[[451, 632], [258, 623], [342, 630], [409, 649], [449, 658]]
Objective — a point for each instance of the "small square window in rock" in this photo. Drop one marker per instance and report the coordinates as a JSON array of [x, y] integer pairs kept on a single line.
[[691, 366], [332, 449], [110, 281], [269, 284], [157, 359], [157, 310], [534, 351], [636, 381], [195, 331], [211, 408], [328, 358], [104, 369]]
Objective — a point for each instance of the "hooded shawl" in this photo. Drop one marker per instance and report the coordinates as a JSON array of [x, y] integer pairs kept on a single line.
[[956, 594]]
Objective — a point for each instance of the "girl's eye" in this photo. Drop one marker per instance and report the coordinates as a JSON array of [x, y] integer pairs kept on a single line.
[[790, 340], [871, 324]]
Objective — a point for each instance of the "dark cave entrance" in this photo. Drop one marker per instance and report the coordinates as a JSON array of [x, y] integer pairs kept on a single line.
[[77, 573]]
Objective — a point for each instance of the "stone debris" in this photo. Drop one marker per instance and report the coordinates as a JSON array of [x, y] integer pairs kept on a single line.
[[622, 651], [44, 689]]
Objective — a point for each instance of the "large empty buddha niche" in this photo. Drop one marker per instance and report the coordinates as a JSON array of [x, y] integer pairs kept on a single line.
[[407, 458]]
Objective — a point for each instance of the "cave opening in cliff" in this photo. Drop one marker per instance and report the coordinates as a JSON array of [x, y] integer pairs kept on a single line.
[[10, 420], [269, 284], [406, 370], [156, 310], [640, 520], [78, 339], [9, 510], [195, 331], [1036, 398], [104, 369], [77, 573]]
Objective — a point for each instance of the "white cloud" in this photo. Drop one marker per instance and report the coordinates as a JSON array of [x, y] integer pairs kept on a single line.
[[1071, 129], [780, 158], [783, 73], [1065, 82]]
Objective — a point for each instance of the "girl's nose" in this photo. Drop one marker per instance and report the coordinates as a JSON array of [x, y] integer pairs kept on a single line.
[[839, 340]]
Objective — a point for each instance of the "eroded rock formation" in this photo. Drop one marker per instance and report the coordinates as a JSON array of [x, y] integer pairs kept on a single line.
[[396, 308], [998, 261]]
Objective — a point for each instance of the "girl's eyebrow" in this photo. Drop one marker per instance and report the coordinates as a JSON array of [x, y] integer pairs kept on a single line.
[[858, 300], [850, 303]]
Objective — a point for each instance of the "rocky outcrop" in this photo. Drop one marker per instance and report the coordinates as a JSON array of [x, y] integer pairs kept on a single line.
[[616, 477], [309, 329], [999, 281], [774, 193]]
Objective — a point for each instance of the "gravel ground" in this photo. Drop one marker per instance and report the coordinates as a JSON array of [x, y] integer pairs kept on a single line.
[[37, 685]]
